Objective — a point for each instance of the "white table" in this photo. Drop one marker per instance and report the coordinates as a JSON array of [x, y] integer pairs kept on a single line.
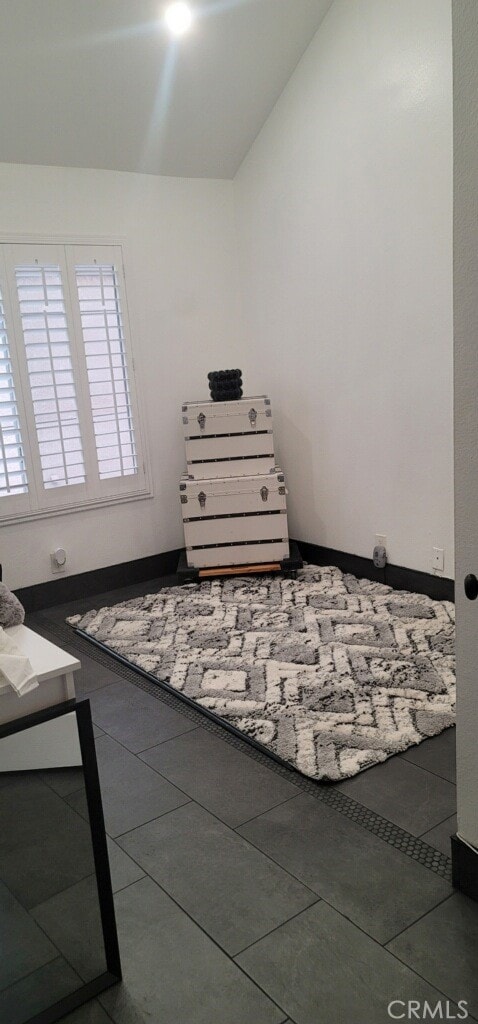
[[52, 744]]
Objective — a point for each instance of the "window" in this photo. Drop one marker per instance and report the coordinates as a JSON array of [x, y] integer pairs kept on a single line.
[[107, 370], [13, 476], [52, 388], [69, 427]]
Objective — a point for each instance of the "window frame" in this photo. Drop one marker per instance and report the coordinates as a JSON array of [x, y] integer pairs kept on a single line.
[[41, 502]]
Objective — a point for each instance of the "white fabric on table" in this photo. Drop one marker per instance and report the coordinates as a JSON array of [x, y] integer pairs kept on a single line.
[[15, 669]]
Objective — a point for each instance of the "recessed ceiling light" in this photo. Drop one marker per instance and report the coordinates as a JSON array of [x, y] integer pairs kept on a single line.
[[178, 17]]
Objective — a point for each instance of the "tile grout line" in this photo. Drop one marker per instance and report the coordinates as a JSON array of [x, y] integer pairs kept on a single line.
[[384, 946], [35, 970], [324, 899], [61, 953], [241, 824], [146, 874], [158, 817], [105, 1011], [148, 822], [189, 798], [153, 745], [287, 800], [442, 822], [422, 916], [391, 940], [91, 874], [426, 980], [174, 900], [381, 946], [209, 937], [281, 925], [350, 803], [319, 898], [436, 775], [397, 837], [231, 828]]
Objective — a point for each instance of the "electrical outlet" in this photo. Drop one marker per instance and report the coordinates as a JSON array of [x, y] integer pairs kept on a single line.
[[380, 551], [58, 560], [379, 557], [438, 562]]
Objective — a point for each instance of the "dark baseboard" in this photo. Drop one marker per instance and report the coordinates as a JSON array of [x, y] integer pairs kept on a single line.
[[396, 576], [439, 587], [98, 581], [464, 862]]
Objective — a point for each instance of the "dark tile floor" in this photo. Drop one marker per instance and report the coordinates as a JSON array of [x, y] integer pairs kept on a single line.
[[242, 899], [50, 927]]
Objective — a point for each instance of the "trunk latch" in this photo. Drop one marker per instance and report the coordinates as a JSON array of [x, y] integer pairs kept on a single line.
[[264, 493], [202, 499], [252, 417], [201, 421]]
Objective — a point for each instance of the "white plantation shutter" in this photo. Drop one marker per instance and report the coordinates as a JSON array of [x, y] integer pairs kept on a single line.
[[69, 424], [50, 374], [13, 472], [107, 370]]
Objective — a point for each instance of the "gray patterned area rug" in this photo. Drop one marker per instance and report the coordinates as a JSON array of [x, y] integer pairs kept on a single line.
[[331, 673]]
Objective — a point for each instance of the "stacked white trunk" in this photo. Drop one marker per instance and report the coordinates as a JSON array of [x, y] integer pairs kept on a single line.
[[233, 497]]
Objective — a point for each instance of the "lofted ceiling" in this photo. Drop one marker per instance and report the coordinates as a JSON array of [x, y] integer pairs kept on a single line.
[[101, 83]]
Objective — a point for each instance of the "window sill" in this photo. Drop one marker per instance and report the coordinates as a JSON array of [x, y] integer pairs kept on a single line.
[[81, 506]]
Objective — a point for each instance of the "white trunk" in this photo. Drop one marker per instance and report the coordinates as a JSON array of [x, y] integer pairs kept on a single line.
[[240, 554], [240, 416]]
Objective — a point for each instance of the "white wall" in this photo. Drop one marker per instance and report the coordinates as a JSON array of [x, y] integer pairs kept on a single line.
[[344, 220], [179, 244], [344, 246]]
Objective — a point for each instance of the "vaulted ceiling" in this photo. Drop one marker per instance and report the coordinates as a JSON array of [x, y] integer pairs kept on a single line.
[[101, 83]]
